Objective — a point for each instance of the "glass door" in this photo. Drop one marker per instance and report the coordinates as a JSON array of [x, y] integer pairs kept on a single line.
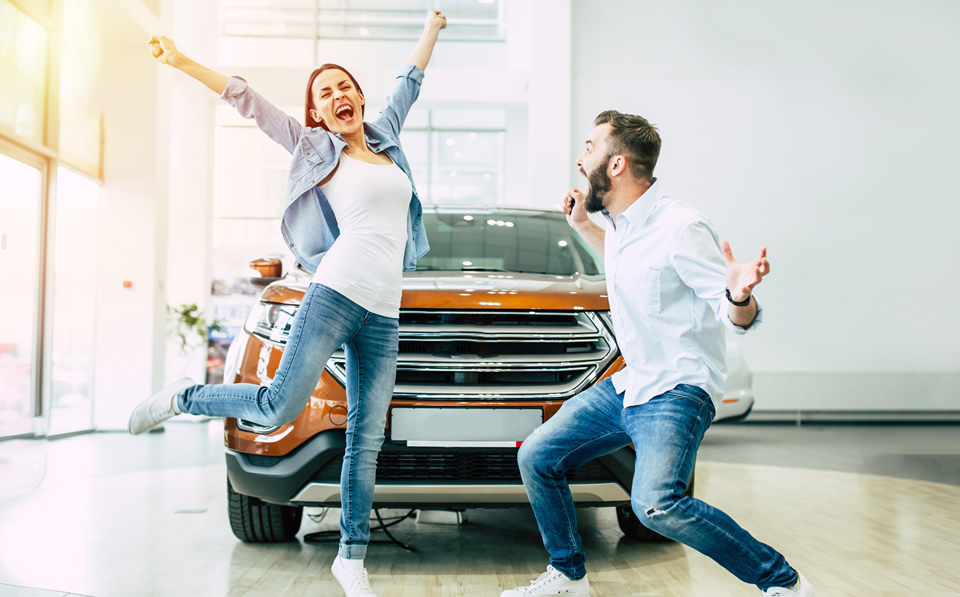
[[20, 199], [74, 288]]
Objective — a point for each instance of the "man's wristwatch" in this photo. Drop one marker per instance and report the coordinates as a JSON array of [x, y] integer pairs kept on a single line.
[[737, 303]]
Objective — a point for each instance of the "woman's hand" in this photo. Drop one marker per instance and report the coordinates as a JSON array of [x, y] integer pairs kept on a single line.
[[435, 21], [163, 50]]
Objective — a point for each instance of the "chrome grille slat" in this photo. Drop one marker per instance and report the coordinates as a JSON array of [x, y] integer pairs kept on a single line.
[[464, 331], [482, 392], [508, 355], [491, 323], [472, 361]]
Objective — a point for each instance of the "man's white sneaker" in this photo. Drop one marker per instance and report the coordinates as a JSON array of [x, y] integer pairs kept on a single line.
[[157, 408], [801, 589], [354, 582], [552, 582]]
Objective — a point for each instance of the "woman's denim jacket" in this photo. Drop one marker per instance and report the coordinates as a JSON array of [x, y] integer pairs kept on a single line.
[[309, 226]]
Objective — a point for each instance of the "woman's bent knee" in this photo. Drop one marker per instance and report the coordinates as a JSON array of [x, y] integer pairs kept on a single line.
[[283, 408]]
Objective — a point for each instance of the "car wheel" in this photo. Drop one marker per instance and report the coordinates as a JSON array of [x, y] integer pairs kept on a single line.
[[632, 527], [254, 521]]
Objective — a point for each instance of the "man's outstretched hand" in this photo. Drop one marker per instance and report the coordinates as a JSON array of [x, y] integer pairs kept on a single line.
[[742, 277]]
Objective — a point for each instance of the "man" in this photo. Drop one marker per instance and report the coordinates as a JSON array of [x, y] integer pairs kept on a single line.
[[671, 292]]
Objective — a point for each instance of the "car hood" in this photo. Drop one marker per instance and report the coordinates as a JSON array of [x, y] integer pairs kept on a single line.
[[475, 290]]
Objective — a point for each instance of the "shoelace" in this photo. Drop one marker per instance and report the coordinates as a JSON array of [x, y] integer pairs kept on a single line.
[[361, 577], [542, 580]]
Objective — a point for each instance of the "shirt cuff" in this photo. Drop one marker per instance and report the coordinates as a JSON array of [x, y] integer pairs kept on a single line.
[[412, 71], [736, 329], [235, 86]]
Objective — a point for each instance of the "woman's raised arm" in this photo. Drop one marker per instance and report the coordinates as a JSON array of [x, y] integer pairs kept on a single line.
[[165, 52], [420, 55], [277, 124]]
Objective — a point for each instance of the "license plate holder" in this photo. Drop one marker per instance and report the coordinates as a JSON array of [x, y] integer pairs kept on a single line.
[[463, 426]]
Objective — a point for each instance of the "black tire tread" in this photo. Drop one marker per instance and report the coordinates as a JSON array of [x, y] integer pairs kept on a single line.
[[254, 521]]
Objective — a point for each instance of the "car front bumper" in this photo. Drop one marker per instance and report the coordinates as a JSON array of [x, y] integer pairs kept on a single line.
[[414, 477]]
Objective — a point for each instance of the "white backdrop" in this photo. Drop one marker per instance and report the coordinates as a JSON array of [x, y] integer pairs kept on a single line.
[[827, 131]]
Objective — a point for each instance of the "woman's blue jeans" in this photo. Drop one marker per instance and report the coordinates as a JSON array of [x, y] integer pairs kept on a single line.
[[325, 321], [666, 432]]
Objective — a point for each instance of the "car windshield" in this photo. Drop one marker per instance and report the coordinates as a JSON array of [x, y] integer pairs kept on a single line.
[[510, 241]]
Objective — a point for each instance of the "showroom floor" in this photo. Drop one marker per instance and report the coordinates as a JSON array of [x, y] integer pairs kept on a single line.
[[852, 506]]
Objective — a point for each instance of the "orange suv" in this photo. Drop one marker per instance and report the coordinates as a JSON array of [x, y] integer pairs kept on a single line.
[[504, 319]]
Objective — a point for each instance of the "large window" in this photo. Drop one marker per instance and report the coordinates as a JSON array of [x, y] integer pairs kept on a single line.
[[457, 155], [23, 70], [20, 256], [81, 121], [357, 19], [303, 32]]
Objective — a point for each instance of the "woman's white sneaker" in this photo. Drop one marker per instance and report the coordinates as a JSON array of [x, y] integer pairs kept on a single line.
[[801, 589], [353, 580], [552, 582], [157, 408]]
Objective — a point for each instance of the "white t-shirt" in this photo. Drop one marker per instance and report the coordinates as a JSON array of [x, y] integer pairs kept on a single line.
[[365, 263]]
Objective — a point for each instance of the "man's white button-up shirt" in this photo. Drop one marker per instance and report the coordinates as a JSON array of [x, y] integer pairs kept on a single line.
[[666, 282]]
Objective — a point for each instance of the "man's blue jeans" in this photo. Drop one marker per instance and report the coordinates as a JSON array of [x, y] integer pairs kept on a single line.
[[666, 432], [325, 320]]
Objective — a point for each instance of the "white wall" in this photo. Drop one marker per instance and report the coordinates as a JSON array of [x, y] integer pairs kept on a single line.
[[189, 156], [827, 131], [131, 235]]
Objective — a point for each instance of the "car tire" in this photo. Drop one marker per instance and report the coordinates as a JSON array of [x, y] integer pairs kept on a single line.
[[254, 521], [630, 523]]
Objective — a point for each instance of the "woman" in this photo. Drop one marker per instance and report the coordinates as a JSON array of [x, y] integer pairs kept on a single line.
[[354, 219]]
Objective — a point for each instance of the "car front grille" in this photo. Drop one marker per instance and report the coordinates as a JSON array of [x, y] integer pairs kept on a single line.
[[508, 355], [450, 467]]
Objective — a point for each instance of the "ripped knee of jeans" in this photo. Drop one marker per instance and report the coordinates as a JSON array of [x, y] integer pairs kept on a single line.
[[654, 511]]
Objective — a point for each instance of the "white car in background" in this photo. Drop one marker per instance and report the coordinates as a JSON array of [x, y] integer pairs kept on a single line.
[[737, 401]]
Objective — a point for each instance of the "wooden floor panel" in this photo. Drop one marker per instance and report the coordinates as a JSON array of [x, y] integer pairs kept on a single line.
[[165, 532]]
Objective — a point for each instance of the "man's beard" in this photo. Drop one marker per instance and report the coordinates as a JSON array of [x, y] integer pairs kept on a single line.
[[599, 185]]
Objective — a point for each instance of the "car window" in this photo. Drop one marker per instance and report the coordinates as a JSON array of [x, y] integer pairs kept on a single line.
[[510, 241]]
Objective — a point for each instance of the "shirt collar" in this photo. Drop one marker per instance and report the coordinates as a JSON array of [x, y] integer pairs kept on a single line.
[[642, 208]]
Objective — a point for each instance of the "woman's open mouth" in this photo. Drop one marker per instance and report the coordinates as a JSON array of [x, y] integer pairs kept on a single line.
[[345, 113]]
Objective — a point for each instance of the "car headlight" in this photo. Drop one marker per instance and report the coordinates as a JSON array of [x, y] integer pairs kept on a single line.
[[271, 322], [251, 427]]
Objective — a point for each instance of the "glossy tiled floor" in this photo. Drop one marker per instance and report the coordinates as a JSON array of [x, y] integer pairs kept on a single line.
[[108, 514]]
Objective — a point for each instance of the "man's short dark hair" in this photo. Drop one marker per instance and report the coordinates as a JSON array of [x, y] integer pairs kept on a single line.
[[634, 138]]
